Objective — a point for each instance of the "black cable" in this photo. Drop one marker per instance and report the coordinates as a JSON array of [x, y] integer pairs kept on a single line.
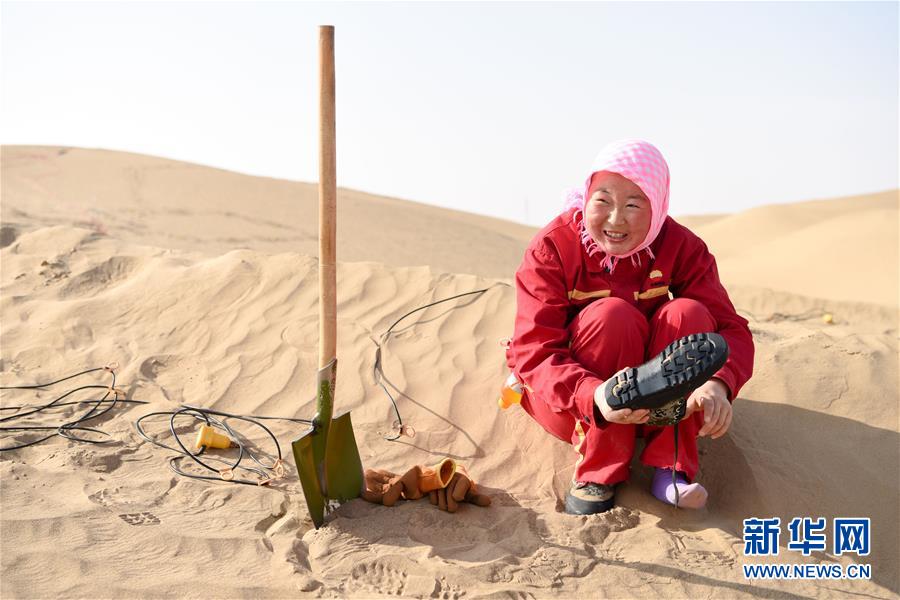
[[674, 466], [225, 414], [53, 402], [122, 400], [66, 428], [378, 371], [43, 385], [265, 473]]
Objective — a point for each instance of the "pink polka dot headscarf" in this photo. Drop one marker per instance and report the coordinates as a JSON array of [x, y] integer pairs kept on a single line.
[[643, 164]]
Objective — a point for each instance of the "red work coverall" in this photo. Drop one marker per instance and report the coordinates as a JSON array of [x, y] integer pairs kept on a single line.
[[577, 324]]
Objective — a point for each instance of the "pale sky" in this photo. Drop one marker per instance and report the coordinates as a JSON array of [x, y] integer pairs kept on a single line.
[[492, 108]]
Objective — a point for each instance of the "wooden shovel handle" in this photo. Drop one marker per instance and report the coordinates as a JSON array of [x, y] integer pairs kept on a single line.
[[327, 199]]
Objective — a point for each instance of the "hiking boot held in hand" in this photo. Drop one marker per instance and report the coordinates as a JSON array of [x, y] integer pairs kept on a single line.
[[682, 366]]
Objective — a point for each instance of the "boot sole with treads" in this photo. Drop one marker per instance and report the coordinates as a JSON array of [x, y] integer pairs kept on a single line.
[[681, 367]]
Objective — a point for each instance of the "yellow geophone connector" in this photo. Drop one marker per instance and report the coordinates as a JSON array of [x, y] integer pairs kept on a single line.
[[208, 437]]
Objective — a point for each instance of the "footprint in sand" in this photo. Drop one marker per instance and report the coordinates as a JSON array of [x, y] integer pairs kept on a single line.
[[101, 498], [595, 530], [447, 591], [377, 576], [382, 577], [142, 518], [151, 367], [700, 552], [99, 461], [134, 500]]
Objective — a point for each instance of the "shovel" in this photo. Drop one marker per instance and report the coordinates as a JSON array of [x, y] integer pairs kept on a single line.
[[327, 458]]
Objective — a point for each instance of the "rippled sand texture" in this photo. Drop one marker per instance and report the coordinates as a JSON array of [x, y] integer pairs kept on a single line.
[[201, 284]]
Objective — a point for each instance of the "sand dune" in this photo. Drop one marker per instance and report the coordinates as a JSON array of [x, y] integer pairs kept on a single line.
[[844, 249], [178, 205], [193, 320]]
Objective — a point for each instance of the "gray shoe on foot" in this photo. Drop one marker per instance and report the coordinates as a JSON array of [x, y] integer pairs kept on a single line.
[[587, 498]]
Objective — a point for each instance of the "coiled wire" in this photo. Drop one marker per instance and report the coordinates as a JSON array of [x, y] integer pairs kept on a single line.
[[265, 473], [378, 369], [67, 427]]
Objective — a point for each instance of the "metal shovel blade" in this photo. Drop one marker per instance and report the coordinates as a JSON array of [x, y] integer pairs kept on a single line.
[[326, 455]]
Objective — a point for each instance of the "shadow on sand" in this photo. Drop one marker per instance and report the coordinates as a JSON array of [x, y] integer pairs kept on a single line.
[[777, 460]]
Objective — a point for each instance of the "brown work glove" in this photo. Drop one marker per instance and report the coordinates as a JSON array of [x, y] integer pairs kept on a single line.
[[436, 477], [460, 489], [384, 487]]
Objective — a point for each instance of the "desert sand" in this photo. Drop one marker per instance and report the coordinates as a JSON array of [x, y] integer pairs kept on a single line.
[[202, 285]]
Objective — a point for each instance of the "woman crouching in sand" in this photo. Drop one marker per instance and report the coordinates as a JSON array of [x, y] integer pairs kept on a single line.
[[593, 305]]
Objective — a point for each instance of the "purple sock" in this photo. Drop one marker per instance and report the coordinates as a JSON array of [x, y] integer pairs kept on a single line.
[[691, 495]]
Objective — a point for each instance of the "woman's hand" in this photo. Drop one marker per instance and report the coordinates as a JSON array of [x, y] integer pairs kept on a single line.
[[623, 416], [712, 399]]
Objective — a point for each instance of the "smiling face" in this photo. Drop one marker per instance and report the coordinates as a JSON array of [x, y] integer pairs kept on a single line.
[[617, 213]]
